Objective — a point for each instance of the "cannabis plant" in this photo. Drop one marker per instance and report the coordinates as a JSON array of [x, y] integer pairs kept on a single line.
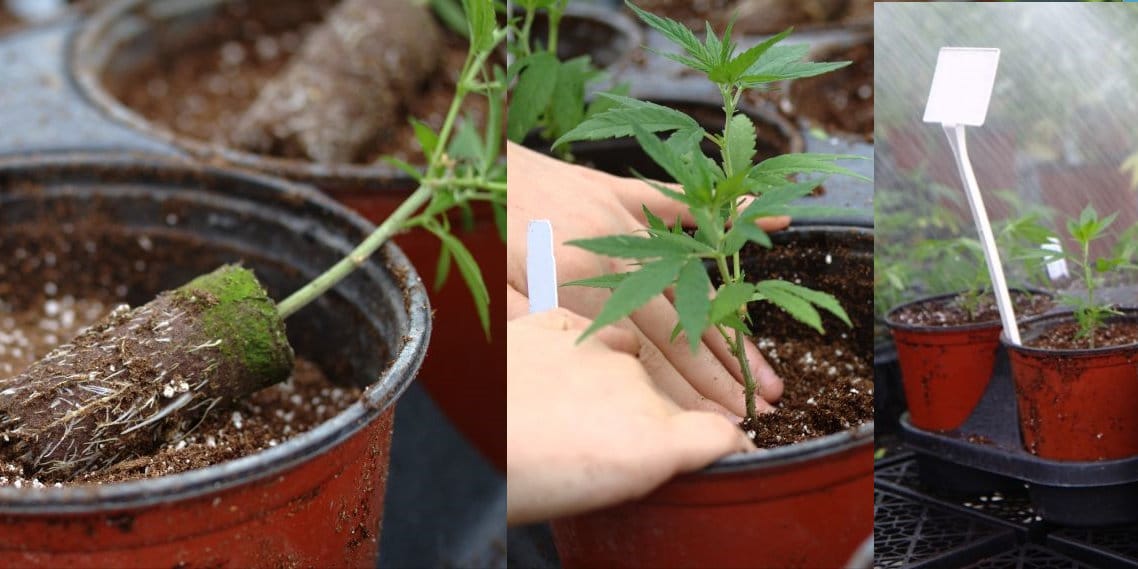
[[1090, 311], [549, 94], [714, 191]]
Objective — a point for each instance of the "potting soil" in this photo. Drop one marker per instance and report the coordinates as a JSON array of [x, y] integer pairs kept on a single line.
[[949, 311], [841, 100], [201, 90], [1062, 336], [828, 389], [265, 419]]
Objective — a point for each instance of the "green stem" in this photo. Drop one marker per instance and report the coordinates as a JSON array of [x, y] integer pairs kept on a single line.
[[527, 25], [1089, 280], [477, 183], [554, 25], [356, 258], [748, 379]]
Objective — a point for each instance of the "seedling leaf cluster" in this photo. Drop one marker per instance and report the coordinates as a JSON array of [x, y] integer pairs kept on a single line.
[[715, 192]]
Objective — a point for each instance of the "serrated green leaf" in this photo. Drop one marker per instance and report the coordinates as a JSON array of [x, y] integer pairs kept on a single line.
[[567, 108], [729, 299], [481, 23], [653, 221], [442, 267], [427, 137], [601, 104], [823, 300], [678, 33], [404, 166], [636, 290], [532, 94], [500, 220], [619, 121], [783, 62], [467, 142], [692, 302], [631, 247], [794, 305], [741, 233], [805, 163], [681, 239], [775, 201], [744, 61], [451, 14], [471, 274], [685, 172], [669, 192], [740, 143], [604, 281]]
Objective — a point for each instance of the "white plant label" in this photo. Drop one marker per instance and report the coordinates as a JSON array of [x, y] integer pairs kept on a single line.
[[962, 85], [541, 267], [959, 96], [1056, 269]]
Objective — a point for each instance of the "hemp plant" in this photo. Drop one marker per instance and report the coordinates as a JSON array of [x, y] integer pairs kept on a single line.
[[148, 375], [549, 94], [1091, 312], [714, 191]]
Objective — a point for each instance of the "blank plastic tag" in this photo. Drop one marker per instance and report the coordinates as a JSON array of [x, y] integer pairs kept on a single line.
[[962, 85], [1056, 269], [541, 268]]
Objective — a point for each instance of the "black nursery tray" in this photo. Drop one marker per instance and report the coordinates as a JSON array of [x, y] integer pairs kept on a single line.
[[985, 454]]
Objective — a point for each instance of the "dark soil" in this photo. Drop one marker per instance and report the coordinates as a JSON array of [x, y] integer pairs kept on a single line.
[[828, 378], [1062, 336], [829, 388], [8, 21], [949, 311], [268, 418], [841, 100], [200, 90]]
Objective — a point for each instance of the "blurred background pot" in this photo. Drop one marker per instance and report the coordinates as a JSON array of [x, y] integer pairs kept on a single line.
[[314, 500], [127, 36]]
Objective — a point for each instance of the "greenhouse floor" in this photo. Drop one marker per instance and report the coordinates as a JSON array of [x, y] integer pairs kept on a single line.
[[915, 528]]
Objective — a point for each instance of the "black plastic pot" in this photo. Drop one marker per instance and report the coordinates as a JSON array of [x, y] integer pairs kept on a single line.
[[608, 37], [985, 453], [130, 34], [314, 500], [888, 390]]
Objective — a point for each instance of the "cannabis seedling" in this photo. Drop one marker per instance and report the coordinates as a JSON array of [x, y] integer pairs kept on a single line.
[[714, 193], [149, 375], [1090, 312], [549, 94]]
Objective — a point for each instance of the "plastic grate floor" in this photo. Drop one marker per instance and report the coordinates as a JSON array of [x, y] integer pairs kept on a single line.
[[908, 532], [1113, 547], [1030, 557]]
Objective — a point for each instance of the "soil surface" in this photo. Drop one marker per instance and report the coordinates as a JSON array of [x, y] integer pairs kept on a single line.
[[828, 389], [268, 418], [828, 378], [1062, 337], [199, 91], [949, 311], [841, 100]]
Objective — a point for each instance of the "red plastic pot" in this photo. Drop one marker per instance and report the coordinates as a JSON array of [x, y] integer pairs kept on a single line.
[[945, 369], [465, 373], [803, 505], [1076, 404], [312, 501]]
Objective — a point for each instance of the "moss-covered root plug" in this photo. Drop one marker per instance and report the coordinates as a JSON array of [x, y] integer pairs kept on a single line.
[[143, 377]]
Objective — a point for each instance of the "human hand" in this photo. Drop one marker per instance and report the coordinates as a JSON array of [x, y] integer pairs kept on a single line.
[[587, 428], [583, 203]]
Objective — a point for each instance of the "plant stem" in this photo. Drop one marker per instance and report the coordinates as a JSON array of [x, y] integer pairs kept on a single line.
[[748, 379], [347, 265], [1089, 280], [398, 219], [526, 27]]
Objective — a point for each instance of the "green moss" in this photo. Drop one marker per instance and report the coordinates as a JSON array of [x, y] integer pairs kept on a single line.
[[238, 310]]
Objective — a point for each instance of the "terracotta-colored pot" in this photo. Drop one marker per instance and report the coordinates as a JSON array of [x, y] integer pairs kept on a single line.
[[465, 372], [945, 369], [315, 500], [803, 505], [1076, 404]]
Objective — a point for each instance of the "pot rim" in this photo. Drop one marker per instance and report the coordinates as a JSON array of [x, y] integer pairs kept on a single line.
[[1042, 321], [894, 324], [807, 450], [616, 20], [377, 398]]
